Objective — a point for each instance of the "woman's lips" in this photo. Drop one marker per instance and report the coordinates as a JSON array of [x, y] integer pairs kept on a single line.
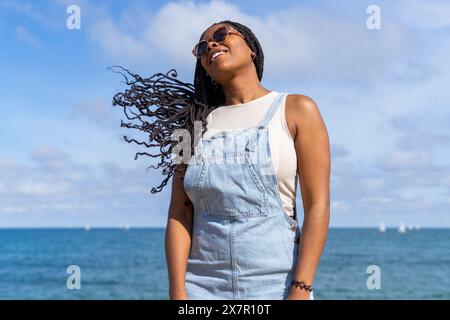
[[218, 57]]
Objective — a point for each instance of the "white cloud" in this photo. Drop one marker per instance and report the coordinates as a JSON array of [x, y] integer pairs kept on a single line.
[[41, 188], [377, 200], [118, 44], [142, 38], [79, 192], [26, 9], [25, 36], [408, 160], [297, 41], [433, 15], [95, 111], [50, 156], [372, 183]]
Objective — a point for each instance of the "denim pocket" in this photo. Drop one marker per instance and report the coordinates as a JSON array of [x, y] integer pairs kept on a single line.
[[231, 189]]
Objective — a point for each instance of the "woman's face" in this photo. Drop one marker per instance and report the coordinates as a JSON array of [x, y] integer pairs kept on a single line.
[[237, 55]]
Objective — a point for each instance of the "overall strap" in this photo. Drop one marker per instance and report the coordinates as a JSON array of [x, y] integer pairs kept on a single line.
[[273, 108], [251, 145]]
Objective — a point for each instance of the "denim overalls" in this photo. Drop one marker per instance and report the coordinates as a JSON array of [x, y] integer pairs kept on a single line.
[[244, 244]]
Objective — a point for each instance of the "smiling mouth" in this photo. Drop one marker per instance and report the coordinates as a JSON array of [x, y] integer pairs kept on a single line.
[[222, 52], [217, 57]]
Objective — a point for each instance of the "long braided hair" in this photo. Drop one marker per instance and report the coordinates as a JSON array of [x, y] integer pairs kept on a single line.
[[178, 105]]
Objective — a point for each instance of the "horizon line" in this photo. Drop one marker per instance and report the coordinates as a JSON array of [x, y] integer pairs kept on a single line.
[[163, 227]]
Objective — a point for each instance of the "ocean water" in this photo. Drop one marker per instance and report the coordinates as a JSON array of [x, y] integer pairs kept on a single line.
[[119, 264]]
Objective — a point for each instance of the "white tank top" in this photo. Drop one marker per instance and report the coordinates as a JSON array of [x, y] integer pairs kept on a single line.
[[284, 158]]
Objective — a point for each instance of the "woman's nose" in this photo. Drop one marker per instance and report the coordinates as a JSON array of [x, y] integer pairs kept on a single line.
[[211, 45]]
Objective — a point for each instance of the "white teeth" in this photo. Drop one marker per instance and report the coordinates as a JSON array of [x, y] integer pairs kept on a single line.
[[217, 54]]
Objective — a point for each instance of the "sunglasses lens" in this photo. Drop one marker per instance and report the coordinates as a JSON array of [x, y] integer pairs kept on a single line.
[[220, 34], [200, 48]]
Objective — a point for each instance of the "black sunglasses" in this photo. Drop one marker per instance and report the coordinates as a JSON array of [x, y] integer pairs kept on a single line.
[[219, 36]]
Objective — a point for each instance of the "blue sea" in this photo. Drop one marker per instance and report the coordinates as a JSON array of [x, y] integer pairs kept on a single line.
[[120, 264]]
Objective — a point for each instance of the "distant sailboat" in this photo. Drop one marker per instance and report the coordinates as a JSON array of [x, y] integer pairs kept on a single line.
[[402, 228], [124, 227], [410, 227], [382, 227], [87, 227]]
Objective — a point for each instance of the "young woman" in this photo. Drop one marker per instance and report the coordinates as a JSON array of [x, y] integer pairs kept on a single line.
[[232, 230]]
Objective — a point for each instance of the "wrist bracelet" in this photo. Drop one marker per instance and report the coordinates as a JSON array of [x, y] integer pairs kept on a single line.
[[301, 285]]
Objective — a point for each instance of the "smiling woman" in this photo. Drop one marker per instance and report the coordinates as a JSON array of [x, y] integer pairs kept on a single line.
[[228, 235], [178, 104]]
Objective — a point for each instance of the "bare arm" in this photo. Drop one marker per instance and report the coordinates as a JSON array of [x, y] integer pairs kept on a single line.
[[313, 167], [178, 238]]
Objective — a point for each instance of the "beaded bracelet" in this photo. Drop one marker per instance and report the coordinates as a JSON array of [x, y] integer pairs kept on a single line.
[[301, 285]]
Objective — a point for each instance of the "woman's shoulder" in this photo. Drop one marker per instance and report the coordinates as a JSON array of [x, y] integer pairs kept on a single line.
[[300, 103], [301, 111]]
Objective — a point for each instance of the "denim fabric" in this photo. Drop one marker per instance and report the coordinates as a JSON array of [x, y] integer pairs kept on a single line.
[[244, 244]]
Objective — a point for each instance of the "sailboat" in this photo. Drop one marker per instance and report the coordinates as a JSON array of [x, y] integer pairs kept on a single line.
[[126, 227], [402, 227], [382, 227], [87, 227]]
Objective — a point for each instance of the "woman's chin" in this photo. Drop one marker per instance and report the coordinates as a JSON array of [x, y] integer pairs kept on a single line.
[[223, 67]]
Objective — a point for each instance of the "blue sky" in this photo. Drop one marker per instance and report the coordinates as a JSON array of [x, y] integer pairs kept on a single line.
[[383, 95]]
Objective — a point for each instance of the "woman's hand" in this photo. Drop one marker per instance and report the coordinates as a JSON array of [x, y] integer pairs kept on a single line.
[[298, 294]]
